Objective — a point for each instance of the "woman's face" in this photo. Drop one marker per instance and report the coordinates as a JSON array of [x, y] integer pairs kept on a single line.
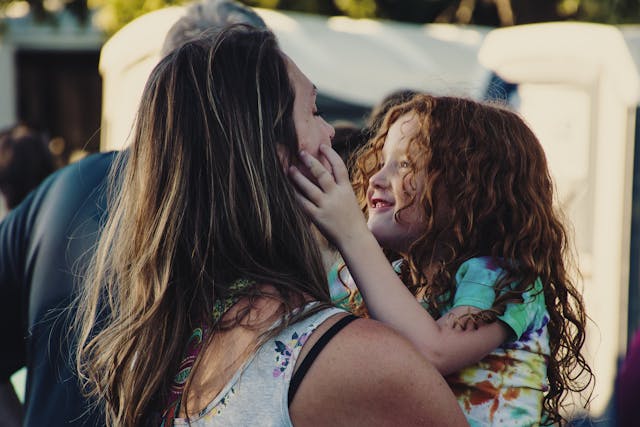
[[311, 129]]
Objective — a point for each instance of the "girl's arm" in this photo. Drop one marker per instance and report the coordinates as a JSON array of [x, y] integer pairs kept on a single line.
[[333, 207]]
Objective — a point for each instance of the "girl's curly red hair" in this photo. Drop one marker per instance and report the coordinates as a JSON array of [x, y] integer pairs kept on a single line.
[[487, 170]]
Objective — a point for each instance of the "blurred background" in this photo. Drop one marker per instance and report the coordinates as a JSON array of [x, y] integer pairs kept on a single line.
[[52, 82], [74, 70]]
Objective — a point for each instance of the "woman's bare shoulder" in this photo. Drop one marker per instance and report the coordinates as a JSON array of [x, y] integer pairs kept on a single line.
[[370, 375]]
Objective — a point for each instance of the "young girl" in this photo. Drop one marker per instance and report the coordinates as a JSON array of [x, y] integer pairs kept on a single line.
[[458, 193]]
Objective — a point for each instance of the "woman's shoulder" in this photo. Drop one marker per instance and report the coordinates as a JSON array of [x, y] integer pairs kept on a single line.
[[369, 366]]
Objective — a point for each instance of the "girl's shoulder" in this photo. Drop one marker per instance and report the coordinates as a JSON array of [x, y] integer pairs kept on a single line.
[[486, 271], [475, 286], [480, 270]]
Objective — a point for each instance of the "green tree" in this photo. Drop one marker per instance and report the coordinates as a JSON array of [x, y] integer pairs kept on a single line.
[[358, 8], [116, 13], [40, 13], [609, 11], [322, 7]]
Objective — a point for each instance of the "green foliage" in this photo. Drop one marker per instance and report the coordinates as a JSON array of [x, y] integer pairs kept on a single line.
[[322, 7], [609, 11], [266, 4], [358, 8], [46, 13], [114, 14], [403, 10], [4, 3]]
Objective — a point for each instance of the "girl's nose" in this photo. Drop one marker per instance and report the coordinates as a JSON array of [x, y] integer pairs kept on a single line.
[[378, 179]]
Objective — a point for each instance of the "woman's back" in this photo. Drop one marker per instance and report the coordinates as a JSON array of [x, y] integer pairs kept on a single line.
[[257, 391], [342, 386]]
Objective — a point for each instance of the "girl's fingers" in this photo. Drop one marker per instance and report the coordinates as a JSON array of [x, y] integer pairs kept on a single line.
[[307, 188], [307, 205], [318, 171], [339, 169]]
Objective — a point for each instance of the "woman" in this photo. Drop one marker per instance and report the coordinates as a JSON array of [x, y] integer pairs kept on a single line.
[[207, 291]]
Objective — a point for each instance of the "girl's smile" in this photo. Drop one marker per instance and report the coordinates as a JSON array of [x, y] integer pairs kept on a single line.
[[379, 204]]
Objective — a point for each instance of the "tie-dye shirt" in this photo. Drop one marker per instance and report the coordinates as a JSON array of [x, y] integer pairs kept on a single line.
[[506, 387], [340, 284]]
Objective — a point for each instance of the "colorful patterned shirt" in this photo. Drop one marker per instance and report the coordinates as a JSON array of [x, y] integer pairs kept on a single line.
[[257, 395], [507, 386], [340, 284]]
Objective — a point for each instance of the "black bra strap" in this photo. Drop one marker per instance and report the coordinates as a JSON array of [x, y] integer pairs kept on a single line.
[[298, 376]]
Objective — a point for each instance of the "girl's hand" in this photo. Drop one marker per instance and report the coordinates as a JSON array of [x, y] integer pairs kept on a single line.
[[330, 203]]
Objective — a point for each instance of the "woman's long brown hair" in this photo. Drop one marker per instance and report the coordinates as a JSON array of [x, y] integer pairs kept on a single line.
[[487, 171], [199, 200]]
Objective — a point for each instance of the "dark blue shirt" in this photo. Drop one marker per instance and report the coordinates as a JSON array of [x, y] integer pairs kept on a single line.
[[44, 243]]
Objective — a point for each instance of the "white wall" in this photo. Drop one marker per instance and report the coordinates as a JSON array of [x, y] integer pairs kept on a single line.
[[7, 85]]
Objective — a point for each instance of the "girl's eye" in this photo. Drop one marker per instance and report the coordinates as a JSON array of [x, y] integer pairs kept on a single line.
[[405, 164]]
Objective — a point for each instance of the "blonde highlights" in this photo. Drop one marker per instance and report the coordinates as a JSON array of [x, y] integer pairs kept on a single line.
[[199, 200]]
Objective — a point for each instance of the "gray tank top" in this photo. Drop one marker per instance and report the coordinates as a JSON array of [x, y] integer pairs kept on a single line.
[[258, 392]]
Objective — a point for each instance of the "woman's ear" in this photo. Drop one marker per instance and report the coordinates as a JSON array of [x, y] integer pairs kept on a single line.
[[284, 157]]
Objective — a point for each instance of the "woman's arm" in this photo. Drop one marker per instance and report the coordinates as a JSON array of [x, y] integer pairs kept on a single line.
[[334, 209], [368, 375]]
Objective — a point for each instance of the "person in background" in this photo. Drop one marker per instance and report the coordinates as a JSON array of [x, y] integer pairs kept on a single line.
[[208, 259], [25, 161], [374, 121], [348, 138], [44, 242]]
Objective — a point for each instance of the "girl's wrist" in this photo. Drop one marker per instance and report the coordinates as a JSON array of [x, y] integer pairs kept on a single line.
[[358, 243]]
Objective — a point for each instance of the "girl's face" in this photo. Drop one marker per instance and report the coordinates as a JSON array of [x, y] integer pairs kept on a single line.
[[311, 129], [394, 186]]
